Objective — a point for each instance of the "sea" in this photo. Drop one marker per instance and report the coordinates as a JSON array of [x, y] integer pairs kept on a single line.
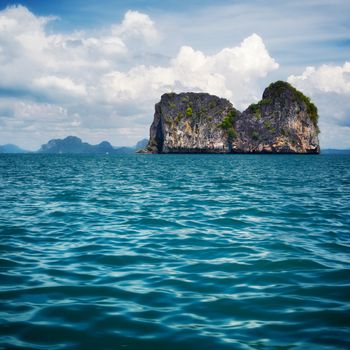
[[174, 252]]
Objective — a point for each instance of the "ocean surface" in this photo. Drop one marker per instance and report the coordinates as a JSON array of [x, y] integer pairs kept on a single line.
[[174, 252]]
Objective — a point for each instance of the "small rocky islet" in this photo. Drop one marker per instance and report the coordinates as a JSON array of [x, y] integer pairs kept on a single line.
[[284, 121]]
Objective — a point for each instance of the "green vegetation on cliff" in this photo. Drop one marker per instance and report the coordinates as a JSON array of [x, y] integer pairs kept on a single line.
[[189, 111], [227, 124], [255, 107]]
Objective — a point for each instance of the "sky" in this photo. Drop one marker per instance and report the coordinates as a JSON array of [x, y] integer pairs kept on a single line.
[[95, 69]]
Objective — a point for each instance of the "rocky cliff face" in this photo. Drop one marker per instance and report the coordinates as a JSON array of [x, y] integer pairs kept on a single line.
[[284, 121], [190, 123]]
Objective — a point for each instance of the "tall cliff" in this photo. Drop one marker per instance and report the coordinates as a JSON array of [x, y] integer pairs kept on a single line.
[[190, 123], [284, 121]]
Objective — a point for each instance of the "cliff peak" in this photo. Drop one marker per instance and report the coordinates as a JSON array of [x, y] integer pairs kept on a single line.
[[282, 90]]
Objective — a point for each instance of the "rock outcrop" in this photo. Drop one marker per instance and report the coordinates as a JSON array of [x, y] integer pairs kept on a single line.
[[284, 121], [190, 123]]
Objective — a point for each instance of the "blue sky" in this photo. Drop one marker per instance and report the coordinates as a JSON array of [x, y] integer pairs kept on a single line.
[[95, 68]]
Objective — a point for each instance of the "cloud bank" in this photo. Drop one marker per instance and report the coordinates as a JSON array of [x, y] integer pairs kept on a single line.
[[83, 85], [95, 84]]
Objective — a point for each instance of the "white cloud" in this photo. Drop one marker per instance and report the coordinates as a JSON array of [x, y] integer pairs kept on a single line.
[[87, 80], [65, 85], [137, 25], [28, 51], [325, 79], [29, 115], [329, 87], [232, 73], [14, 18]]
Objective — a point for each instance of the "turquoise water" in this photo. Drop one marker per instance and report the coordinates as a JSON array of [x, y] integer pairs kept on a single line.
[[174, 252]]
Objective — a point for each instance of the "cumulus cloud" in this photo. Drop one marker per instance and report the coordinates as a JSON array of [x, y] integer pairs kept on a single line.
[[29, 116], [325, 79], [86, 81], [137, 25], [232, 73], [329, 87], [61, 85], [27, 50]]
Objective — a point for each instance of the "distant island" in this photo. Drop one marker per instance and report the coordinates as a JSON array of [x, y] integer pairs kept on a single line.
[[74, 145], [10, 148], [284, 121]]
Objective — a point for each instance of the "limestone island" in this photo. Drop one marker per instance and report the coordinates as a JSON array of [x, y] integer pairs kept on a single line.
[[284, 121]]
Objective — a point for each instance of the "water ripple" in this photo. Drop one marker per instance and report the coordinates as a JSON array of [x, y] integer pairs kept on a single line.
[[169, 252]]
